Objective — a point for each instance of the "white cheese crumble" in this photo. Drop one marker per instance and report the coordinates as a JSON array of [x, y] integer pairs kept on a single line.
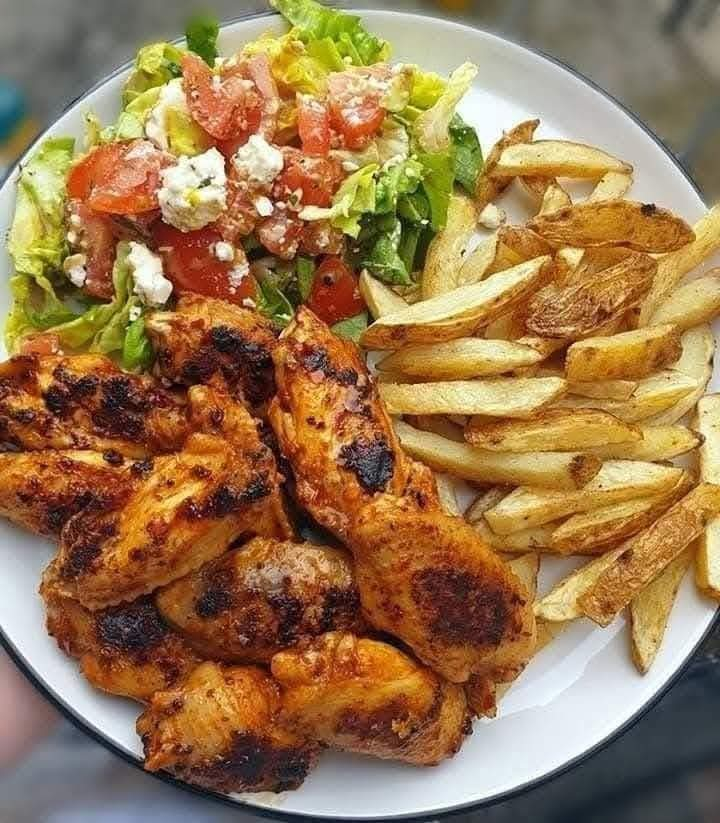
[[74, 268], [492, 217], [172, 98], [151, 285], [225, 252], [263, 206], [194, 191], [237, 274], [134, 314], [260, 161]]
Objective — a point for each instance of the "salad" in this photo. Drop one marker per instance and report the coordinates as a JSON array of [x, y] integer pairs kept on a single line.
[[268, 178]]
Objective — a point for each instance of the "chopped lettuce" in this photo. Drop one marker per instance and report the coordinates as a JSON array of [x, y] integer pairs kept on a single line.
[[201, 34], [438, 177], [394, 181], [431, 127], [466, 153], [380, 246], [155, 65], [350, 37], [35, 307], [305, 275], [427, 88], [352, 327], [294, 66], [273, 304], [355, 197], [391, 143], [137, 350]]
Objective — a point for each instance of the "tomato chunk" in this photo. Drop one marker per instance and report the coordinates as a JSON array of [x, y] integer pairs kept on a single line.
[[335, 294], [95, 235], [240, 216], [355, 103], [315, 178], [281, 234], [257, 68], [119, 178], [41, 345], [314, 126], [192, 265]]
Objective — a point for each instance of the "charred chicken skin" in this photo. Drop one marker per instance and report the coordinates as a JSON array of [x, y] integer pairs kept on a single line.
[[86, 402], [205, 337], [218, 729], [261, 598], [368, 697]]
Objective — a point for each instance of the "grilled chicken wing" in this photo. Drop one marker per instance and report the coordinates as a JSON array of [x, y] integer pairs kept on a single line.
[[333, 429], [204, 337], [367, 697], [126, 650], [43, 490], [218, 730], [261, 598], [86, 402]]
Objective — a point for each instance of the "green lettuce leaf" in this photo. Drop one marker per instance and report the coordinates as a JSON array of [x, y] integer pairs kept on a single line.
[[273, 304], [305, 275], [201, 34], [294, 65], [36, 241], [414, 207], [155, 65], [437, 183], [35, 307], [427, 88], [317, 22], [382, 258], [466, 153], [431, 127], [355, 197], [396, 180], [352, 327], [137, 350]]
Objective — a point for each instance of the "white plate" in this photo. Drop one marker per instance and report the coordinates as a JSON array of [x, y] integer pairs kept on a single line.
[[580, 690]]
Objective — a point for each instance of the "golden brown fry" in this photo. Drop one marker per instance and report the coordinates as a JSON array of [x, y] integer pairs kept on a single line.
[[379, 298], [707, 568], [604, 389], [691, 305], [481, 261], [555, 470], [438, 424], [656, 443], [523, 242], [555, 158], [555, 198], [537, 539], [485, 501], [489, 187], [445, 252], [447, 495], [646, 554], [611, 185]]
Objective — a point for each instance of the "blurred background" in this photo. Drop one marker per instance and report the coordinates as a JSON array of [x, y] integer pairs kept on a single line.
[[661, 59]]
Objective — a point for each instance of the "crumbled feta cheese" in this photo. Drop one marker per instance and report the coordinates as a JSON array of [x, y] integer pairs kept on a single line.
[[75, 220], [260, 161], [74, 268], [134, 314], [237, 274], [172, 98], [151, 285], [263, 206], [72, 237], [249, 303], [492, 217], [349, 165], [194, 191], [224, 252]]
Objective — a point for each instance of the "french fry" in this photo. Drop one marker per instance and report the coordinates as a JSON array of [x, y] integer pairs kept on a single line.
[[555, 470], [379, 298], [603, 389], [523, 242], [488, 187], [626, 355], [542, 345], [639, 226], [611, 185], [645, 555], [538, 539], [445, 252], [555, 158], [438, 424], [552, 430], [674, 266], [460, 359], [707, 565], [616, 481], [485, 501], [526, 568], [650, 611], [499, 397], [555, 198], [456, 314], [446, 494], [691, 305], [583, 307], [598, 530], [657, 443], [479, 262]]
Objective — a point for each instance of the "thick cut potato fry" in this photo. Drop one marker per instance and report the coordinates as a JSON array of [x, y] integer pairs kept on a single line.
[[446, 494], [500, 397], [646, 554], [638, 226], [656, 443], [460, 359], [555, 198], [488, 188], [650, 610], [543, 345], [616, 481], [691, 305], [456, 314], [674, 266], [604, 389], [555, 158], [707, 564], [538, 539], [477, 265], [526, 567], [625, 355], [445, 252], [707, 568], [551, 430], [485, 501], [524, 242], [598, 530], [438, 424], [553, 470], [611, 185], [652, 396], [585, 306], [379, 298]]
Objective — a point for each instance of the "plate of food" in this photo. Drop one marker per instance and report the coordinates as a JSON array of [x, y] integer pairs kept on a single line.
[[359, 445]]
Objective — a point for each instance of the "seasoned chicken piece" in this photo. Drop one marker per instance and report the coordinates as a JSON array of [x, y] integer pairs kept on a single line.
[[204, 337], [218, 730], [183, 510], [428, 578], [261, 598], [333, 429], [42, 490], [86, 402], [127, 650], [367, 697]]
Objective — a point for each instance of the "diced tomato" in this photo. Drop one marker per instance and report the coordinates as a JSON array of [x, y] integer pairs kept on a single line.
[[319, 237], [239, 218], [280, 234], [190, 263], [119, 178], [41, 344], [317, 178], [229, 147], [257, 68], [335, 294], [355, 103], [314, 126], [96, 238]]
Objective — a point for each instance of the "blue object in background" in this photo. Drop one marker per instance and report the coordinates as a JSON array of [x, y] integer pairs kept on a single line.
[[12, 110]]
